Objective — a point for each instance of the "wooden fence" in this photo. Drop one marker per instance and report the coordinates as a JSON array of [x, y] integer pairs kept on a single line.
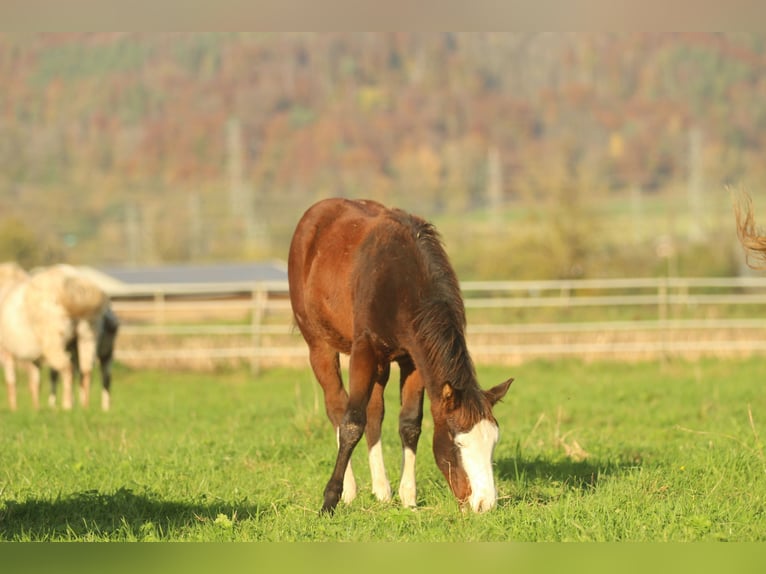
[[203, 326]]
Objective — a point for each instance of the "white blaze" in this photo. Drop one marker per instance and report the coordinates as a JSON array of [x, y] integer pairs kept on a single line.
[[476, 448]]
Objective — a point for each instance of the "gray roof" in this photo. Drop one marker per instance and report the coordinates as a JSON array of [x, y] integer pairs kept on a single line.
[[199, 274]]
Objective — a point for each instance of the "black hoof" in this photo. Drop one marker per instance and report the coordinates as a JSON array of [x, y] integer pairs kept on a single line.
[[327, 510], [332, 493]]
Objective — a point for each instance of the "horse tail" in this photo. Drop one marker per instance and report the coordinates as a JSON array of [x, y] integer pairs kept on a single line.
[[81, 298], [751, 238]]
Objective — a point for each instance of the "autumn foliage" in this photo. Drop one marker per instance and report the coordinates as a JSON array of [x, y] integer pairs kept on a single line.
[[129, 147]]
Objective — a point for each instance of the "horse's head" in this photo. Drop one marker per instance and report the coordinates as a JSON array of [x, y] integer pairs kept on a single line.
[[465, 434]]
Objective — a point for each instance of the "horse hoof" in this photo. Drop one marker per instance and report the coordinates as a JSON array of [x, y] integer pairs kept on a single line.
[[327, 510]]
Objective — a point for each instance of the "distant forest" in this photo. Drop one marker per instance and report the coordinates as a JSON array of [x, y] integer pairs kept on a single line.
[[133, 148]]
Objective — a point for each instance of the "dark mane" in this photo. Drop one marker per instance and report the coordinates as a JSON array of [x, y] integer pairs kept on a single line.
[[440, 321]]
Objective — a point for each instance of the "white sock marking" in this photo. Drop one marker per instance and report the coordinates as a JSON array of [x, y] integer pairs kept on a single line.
[[349, 482], [380, 485], [407, 484]]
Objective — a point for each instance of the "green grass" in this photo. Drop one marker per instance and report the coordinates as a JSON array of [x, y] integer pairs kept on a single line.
[[601, 451]]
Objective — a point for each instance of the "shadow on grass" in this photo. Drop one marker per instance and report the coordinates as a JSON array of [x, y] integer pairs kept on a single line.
[[122, 515], [544, 479]]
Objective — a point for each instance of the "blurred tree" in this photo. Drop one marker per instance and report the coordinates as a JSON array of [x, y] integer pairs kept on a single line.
[[21, 244], [404, 117]]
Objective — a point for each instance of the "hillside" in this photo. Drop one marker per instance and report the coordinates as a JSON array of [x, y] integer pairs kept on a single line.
[[127, 148]]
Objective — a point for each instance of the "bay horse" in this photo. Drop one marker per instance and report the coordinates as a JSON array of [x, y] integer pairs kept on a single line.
[[376, 284]]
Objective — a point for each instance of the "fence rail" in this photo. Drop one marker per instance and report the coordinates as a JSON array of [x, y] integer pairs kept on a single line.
[[202, 326]]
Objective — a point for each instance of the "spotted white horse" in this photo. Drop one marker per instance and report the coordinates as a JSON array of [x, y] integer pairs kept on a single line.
[[39, 315]]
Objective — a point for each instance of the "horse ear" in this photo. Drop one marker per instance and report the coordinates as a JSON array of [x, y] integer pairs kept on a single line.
[[448, 396], [498, 392]]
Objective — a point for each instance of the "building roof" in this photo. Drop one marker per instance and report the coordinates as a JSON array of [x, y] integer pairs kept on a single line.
[[219, 273], [186, 277]]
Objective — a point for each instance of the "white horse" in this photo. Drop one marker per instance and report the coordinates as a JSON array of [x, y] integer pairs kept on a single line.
[[39, 316]]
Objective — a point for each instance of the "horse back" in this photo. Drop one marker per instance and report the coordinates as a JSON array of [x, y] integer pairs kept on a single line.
[[16, 334], [351, 267]]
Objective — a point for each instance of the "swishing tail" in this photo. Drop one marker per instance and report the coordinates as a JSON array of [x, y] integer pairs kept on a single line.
[[752, 238]]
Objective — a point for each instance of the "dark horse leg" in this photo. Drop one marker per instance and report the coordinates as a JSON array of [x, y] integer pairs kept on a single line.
[[363, 372], [410, 422], [381, 488], [326, 367], [105, 364]]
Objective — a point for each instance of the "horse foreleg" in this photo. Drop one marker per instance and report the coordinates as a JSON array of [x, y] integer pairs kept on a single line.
[[410, 422], [66, 387], [326, 366], [342, 482], [85, 377], [362, 368], [106, 383], [381, 487], [54, 376], [10, 379], [349, 482], [86, 356], [33, 378]]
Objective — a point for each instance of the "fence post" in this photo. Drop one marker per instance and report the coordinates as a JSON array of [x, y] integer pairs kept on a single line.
[[259, 300], [662, 302], [159, 308]]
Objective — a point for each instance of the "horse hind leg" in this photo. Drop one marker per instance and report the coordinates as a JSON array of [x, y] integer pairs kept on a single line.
[[381, 487]]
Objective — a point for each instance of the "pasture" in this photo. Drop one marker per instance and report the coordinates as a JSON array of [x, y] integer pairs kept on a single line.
[[599, 451]]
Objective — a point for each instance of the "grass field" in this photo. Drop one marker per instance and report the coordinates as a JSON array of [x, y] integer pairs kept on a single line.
[[601, 451]]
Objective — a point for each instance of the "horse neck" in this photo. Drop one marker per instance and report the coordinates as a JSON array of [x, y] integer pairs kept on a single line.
[[442, 352]]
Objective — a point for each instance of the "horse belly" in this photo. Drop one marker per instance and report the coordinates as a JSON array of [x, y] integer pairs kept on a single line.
[[16, 334], [331, 322]]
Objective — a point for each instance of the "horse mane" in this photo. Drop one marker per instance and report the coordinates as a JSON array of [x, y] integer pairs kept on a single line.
[[81, 297], [440, 319], [753, 241]]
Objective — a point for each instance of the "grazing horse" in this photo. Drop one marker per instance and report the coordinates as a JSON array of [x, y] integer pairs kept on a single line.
[[104, 353], [753, 242], [39, 315], [376, 284]]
